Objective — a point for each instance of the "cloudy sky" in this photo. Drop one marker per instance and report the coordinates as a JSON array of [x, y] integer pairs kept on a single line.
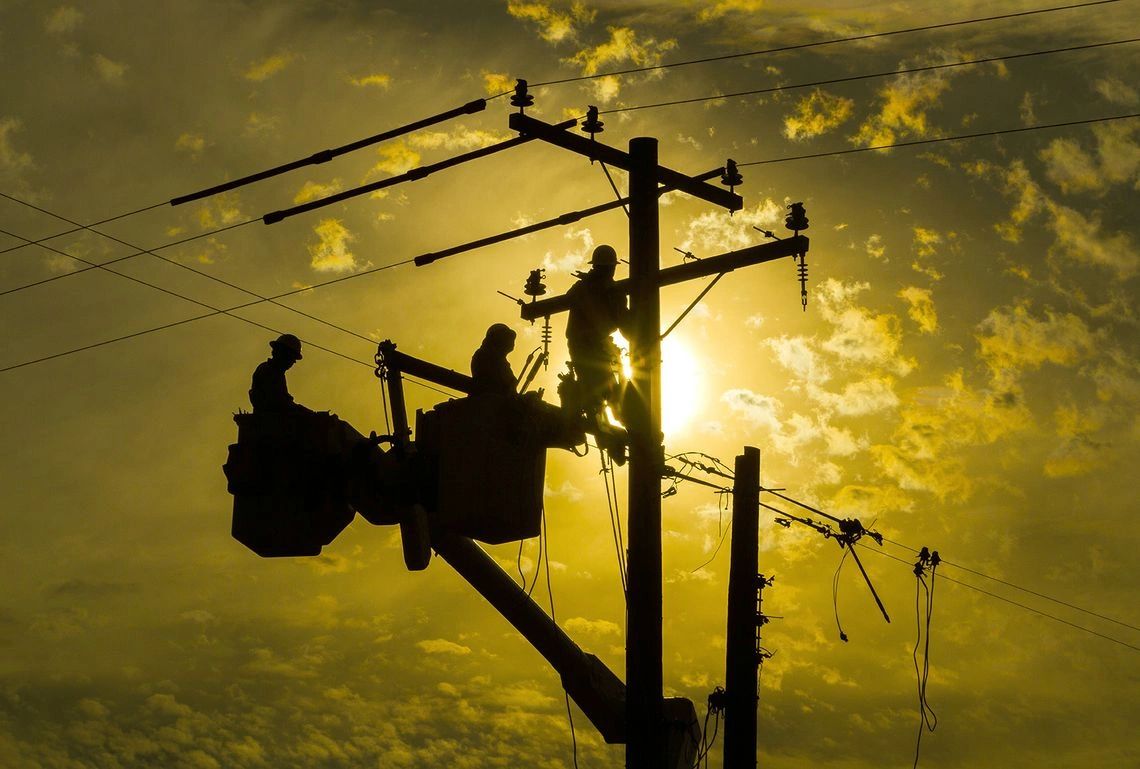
[[966, 374]]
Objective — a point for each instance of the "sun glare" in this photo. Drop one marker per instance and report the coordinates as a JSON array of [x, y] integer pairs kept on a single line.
[[680, 382]]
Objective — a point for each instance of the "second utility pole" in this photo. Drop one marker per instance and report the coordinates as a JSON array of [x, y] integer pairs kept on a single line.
[[642, 416]]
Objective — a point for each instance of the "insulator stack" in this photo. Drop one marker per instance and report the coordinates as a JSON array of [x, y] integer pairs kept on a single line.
[[521, 99], [547, 336], [802, 272], [592, 125]]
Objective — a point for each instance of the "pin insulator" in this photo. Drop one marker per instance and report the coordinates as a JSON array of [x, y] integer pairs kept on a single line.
[[591, 124], [521, 99], [796, 220], [534, 285], [731, 177]]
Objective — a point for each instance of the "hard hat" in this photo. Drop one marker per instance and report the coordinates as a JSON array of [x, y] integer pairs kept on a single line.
[[605, 256], [501, 331], [287, 343]]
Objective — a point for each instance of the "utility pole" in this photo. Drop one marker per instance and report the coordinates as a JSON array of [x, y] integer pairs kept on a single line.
[[642, 412], [742, 649]]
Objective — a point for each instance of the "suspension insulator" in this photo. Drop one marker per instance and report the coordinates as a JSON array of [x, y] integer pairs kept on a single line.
[[802, 272], [534, 286], [796, 220], [521, 99], [591, 124]]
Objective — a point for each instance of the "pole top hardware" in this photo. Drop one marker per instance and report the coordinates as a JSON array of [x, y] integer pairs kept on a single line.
[[796, 220], [521, 99], [592, 125]]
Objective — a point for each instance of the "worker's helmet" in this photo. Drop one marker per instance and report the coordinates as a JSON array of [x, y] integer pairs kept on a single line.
[[287, 343], [501, 333], [604, 256]]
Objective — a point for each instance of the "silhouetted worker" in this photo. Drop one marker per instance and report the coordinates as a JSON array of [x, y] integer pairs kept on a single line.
[[597, 310], [269, 393], [490, 369]]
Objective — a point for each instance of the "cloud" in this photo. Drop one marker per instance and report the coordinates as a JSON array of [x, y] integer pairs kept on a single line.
[[1117, 92], [315, 190], [721, 8], [797, 356], [372, 81], [190, 143], [874, 247], [12, 161], [860, 336], [1012, 340], [219, 211], [592, 627], [623, 47], [714, 232], [864, 397], [266, 68], [921, 309], [442, 646], [258, 124], [110, 72], [554, 26], [906, 101], [396, 158], [457, 139], [1076, 236], [330, 253], [816, 114], [63, 20], [757, 410], [1116, 161], [495, 83]]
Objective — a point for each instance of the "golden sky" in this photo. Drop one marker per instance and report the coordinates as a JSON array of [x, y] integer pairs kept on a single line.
[[966, 374]]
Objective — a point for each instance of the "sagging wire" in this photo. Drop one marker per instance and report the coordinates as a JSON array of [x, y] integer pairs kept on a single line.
[[835, 595], [716, 703], [615, 519], [928, 719], [544, 533]]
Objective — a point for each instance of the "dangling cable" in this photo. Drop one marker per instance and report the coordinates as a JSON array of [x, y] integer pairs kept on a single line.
[[544, 533], [928, 719], [615, 523], [518, 565], [835, 595]]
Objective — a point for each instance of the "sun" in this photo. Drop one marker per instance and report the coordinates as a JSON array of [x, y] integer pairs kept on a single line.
[[680, 382], [681, 389]]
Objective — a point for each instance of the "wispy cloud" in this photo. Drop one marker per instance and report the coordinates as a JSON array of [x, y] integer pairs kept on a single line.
[[263, 69], [816, 114], [330, 253], [554, 25]]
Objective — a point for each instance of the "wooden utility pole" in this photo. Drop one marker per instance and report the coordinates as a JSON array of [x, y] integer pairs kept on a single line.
[[741, 647], [642, 414]]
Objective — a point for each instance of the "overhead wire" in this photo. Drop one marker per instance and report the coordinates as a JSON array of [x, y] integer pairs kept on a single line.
[[1011, 601], [1035, 593], [82, 227], [939, 139], [324, 155], [175, 263], [868, 76], [818, 43]]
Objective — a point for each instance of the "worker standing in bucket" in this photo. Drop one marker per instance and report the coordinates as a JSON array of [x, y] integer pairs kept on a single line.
[[490, 369], [597, 310], [269, 392]]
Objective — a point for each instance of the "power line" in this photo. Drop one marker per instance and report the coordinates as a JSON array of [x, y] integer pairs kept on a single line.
[[316, 158], [214, 311], [109, 262], [833, 41], [178, 264], [1010, 601], [82, 227], [870, 76], [1022, 589], [959, 137]]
